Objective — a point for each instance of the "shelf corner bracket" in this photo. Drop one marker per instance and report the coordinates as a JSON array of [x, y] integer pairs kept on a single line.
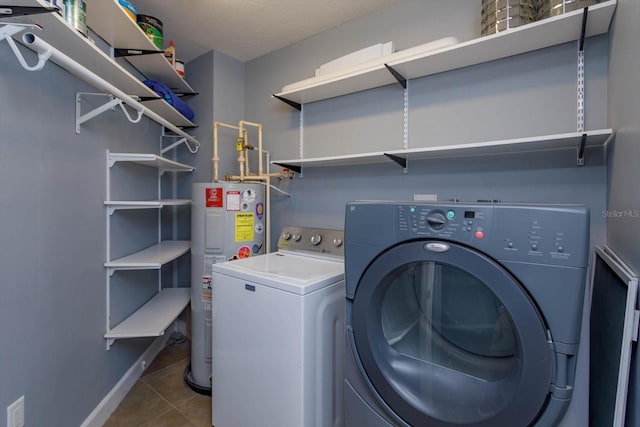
[[399, 77], [110, 342], [581, 147], [401, 161], [289, 102], [297, 169]]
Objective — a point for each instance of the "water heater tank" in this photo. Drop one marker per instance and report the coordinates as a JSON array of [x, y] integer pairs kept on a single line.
[[227, 223]]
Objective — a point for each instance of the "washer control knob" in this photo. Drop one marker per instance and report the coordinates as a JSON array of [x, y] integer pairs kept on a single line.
[[436, 220], [286, 236], [316, 239], [297, 237], [337, 242]]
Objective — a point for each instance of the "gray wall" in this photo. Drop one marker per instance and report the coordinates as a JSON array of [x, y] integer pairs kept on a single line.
[[624, 117], [623, 210]]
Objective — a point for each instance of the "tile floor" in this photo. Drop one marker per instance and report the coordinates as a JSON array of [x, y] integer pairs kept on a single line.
[[160, 398]]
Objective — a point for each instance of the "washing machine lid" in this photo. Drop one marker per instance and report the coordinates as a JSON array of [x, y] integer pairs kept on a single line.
[[285, 271]]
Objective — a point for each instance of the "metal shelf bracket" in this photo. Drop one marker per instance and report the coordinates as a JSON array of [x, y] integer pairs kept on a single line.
[[109, 105], [402, 161], [110, 342], [581, 147], [181, 140], [13, 11], [297, 169], [8, 30], [399, 77], [289, 102], [119, 52]]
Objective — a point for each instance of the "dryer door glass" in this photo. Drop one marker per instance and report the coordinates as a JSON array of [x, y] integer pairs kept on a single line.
[[441, 314], [450, 338]]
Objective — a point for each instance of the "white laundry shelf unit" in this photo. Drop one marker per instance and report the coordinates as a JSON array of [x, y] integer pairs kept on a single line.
[[107, 19], [535, 143], [537, 35], [153, 318]]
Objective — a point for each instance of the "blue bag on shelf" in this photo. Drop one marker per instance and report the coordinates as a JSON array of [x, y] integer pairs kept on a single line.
[[171, 98]]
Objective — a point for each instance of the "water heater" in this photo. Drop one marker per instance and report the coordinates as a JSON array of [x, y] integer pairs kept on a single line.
[[227, 223]]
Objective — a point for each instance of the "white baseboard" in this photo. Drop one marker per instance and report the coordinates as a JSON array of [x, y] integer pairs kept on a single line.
[[101, 413]]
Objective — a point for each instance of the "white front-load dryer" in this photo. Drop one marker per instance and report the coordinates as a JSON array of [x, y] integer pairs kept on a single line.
[[278, 334]]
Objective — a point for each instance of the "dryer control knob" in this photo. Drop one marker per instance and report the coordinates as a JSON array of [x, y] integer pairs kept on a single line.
[[297, 237], [337, 242], [316, 239], [286, 236], [436, 220]]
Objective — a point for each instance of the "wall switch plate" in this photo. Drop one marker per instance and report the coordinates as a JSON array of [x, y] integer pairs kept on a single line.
[[15, 413]]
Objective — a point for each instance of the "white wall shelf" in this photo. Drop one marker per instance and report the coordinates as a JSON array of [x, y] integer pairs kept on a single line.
[[153, 318], [151, 258], [545, 33], [107, 19], [151, 160], [145, 204], [55, 31], [534, 143]]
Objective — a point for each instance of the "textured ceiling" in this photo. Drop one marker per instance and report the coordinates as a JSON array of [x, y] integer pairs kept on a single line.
[[247, 29]]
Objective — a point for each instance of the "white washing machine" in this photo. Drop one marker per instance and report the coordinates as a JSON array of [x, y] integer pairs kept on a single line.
[[278, 334]]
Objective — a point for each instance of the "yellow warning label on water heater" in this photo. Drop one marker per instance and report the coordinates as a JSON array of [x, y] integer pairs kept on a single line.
[[244, 227]]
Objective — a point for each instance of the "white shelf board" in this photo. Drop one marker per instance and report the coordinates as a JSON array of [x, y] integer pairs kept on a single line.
[[107, 19], [534, 143], [537, 35], [66, 39], [152, 160], [153, 318], [153, 257], [146, 204]]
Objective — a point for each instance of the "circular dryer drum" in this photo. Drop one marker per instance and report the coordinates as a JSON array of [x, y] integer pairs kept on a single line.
[[450, 338]]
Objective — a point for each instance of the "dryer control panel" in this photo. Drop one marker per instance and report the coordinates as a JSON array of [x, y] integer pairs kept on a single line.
[[545, 234]]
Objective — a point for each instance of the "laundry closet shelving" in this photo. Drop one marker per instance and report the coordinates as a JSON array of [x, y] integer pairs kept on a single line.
[[28, 22], [572, 26], [159, 312], [35, 25]]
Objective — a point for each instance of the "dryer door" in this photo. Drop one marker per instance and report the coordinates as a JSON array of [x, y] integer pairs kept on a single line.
[[447, 337]]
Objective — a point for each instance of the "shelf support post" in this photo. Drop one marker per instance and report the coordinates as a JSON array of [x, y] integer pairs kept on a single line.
[[580, 81]]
